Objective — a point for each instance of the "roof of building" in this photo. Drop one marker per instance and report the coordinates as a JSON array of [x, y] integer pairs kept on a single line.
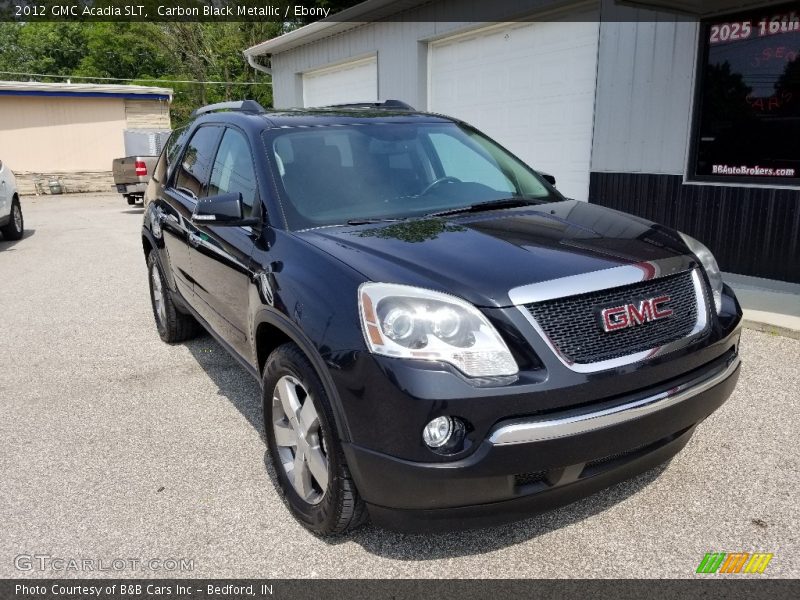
[[375, 10], [84, 90], [349, 18]]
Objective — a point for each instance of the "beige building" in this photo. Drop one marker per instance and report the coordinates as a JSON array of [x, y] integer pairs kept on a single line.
[[72, 131]]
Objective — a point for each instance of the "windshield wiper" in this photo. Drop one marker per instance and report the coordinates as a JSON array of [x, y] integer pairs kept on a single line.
[[488, 205], [371, 221]]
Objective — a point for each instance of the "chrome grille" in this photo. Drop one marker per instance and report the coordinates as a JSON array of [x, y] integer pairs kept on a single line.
[[573, 326]]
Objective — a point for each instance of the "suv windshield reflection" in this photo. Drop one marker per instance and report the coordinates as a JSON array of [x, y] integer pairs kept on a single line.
[[332, 175]]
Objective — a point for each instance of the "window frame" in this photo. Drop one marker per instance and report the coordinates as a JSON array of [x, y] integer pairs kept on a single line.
[[703, 47]]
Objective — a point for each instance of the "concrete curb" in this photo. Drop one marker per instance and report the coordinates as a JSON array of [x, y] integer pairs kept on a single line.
[[771, 329]]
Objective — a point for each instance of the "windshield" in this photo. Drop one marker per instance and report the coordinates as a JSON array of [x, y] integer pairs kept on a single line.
[[338, 174]]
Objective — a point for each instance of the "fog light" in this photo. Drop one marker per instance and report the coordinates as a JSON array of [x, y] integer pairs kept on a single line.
[[438, 432]]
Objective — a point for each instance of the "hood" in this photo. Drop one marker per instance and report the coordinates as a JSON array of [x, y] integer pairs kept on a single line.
[[480, 257]]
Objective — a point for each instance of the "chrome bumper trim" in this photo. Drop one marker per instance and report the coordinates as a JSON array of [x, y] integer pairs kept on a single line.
[[522, 431]]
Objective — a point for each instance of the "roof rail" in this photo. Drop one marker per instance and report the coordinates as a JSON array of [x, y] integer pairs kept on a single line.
[[388, 104], [240, 105]]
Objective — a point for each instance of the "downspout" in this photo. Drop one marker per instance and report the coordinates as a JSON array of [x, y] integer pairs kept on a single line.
[[251, 60]]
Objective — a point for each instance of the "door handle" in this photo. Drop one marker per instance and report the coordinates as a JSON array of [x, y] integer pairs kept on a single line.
[[194, 240]]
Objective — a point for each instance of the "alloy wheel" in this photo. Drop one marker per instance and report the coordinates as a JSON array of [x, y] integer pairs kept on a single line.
[[158, 296], [299, 439]]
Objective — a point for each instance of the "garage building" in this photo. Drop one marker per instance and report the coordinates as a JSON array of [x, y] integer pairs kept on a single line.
[[70, 132], [688, 118]]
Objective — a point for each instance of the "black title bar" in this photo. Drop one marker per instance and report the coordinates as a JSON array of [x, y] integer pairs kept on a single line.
[[307, 11], [711, 587]]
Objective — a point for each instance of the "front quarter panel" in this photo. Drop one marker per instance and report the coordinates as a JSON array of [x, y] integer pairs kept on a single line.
[[153, 234], [316, 292], [312, 298]]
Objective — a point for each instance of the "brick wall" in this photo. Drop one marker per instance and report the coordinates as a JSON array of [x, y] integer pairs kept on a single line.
[[84, 181], [147, 114]]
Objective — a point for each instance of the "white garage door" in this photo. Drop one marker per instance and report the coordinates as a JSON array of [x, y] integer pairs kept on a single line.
[[355, 81], [529, 86]]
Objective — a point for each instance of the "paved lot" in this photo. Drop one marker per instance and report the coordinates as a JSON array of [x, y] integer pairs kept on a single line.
[[115, 445]]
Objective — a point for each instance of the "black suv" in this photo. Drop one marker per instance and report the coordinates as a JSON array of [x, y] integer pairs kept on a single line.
[[442, 339]]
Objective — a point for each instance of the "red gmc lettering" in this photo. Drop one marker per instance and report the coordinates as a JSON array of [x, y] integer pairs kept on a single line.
[[659, 313], [642, 314], [615, 318], [621, 317]]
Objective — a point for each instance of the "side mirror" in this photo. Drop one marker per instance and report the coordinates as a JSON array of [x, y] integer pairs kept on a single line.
[[223, 209], [548, 178]]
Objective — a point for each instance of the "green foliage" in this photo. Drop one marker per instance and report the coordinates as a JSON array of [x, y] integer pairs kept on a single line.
[[213, 52], [150, 53], [53, 48], [155, 54], [123, 50]]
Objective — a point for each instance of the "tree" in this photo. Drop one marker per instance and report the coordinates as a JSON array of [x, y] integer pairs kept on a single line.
[[124, 51], [50, 48], [213, 52], [151, 53]]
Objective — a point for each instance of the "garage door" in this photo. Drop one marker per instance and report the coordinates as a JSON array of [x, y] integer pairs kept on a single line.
[[355, 81], [529, 86]]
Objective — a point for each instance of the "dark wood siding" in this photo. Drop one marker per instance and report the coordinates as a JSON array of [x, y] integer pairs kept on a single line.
[[752, 231]]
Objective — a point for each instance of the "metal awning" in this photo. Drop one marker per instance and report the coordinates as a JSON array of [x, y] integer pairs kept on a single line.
[[376, 10]]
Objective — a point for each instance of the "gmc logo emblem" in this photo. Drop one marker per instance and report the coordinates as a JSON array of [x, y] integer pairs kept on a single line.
[[629, 315]]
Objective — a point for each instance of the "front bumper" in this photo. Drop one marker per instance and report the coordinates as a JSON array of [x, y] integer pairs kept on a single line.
[[525, 466]]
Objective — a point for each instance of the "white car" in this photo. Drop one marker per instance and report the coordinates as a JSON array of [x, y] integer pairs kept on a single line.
[[11, 223]]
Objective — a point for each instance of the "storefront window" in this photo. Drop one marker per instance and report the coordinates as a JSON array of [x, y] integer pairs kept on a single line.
[[747, 122]]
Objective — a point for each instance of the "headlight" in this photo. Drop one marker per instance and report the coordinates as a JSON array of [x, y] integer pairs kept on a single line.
[[710, 265], [407, 322]]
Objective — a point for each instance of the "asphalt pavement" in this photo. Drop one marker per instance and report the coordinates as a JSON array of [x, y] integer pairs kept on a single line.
[[117, 447]]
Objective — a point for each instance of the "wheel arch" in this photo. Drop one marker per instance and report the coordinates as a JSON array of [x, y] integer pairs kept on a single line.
[[147, 245], [271, 330]]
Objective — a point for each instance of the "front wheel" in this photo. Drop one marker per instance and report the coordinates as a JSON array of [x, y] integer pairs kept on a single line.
[[306, 452], [173, 326], [15, 227]]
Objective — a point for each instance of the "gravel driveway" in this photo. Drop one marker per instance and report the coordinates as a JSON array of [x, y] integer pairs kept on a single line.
[[114, 445]]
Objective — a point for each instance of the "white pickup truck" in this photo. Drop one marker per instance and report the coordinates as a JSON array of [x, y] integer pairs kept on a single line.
[[131, 175], [11, 224]]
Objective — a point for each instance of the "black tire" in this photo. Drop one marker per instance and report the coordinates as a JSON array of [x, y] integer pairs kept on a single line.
[[15, 228], [173, 326], [339, 507], [131, 199]]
